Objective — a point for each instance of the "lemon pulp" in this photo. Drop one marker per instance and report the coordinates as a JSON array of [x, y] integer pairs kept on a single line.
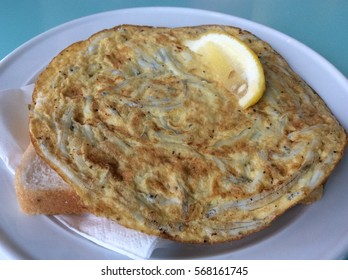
[[234, 64]]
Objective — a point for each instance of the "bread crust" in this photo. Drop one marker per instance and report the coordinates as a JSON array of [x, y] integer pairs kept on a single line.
[[189, 165], [50, 195]]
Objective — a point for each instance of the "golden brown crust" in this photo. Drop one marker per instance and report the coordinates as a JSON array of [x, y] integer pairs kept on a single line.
[[49, 202], [40, 191], [314, 196], [148, 137]]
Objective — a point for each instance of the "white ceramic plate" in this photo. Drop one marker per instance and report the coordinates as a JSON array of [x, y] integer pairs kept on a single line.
[[318, 231]]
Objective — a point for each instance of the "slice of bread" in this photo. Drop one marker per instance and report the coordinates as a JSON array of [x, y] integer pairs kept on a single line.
[[40, 190]]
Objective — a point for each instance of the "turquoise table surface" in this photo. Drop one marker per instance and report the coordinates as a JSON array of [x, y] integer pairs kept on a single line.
[[322, 25]]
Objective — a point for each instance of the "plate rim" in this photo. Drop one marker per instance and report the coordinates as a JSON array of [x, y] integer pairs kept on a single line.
[[51, 31], [21, 48]]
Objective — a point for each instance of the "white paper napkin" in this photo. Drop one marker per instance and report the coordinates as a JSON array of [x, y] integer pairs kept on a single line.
[[14, 140]]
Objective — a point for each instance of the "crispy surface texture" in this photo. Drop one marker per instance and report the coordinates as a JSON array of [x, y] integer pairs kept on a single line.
[[147, 137]]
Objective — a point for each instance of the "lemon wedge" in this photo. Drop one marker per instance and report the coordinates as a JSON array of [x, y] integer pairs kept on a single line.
[[233, 63]]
